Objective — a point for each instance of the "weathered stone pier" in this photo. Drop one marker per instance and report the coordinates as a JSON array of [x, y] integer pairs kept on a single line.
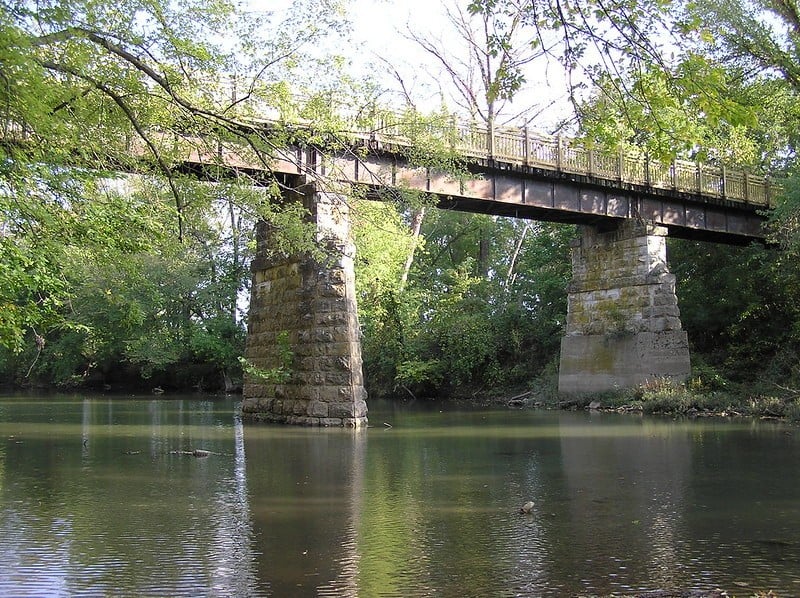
[[623, 322], [303, 321]]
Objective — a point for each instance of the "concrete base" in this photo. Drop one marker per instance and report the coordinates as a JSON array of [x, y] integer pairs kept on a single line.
[[597, 363], [296, 412]]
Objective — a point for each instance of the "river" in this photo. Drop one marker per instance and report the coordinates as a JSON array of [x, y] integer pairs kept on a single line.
[[102, 496]]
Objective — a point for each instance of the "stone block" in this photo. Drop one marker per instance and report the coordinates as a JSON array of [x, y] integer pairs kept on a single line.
[[328, 393], [342, 334], [336, 378], [360, 407], [300, 407], [323, 336], [303, 351], [318, 409], [342, 410], [334, 291], [331, 319]]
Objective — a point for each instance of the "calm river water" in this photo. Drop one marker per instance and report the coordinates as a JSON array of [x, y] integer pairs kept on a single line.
[[96, 499]]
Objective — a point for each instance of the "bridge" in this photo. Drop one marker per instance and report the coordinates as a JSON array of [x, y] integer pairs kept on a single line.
[[518, 173], [623, 321]]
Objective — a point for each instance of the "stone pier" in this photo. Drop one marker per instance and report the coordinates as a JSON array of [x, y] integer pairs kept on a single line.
[[303, 338], [623, 322]]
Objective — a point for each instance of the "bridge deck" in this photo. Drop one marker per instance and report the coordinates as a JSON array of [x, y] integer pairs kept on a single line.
[[515, 173], [544, 193]]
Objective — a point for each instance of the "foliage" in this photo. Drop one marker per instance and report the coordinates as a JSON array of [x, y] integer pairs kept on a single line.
[[279, 374], [662, 395], [747, 328], [105, 277], [694, 111], [172, 303], [470, 319]]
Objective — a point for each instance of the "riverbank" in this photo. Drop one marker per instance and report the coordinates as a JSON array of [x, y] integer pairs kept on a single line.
[[664, 396]]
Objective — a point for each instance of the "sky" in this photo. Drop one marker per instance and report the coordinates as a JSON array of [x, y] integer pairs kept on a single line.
[[379, 41], [379, 27]]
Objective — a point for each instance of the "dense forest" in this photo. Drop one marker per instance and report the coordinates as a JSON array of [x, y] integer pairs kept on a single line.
[[134, 281]]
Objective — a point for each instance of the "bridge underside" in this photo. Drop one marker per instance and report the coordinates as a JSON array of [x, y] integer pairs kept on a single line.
[[532, 193]]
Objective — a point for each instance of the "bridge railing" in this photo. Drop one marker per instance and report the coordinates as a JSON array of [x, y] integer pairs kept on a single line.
[[556, 153], [562, 154]]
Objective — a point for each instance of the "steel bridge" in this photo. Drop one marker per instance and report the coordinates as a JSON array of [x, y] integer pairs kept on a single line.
[[513, 172]]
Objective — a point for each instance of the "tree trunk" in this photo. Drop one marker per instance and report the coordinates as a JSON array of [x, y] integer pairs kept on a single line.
[[483, 252], [510, 275], [416, 225]]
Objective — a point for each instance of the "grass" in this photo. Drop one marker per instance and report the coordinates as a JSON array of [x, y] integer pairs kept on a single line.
[[667, 396]]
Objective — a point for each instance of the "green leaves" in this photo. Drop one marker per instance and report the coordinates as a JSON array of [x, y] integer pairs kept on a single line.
[[484, 305], [104, 265]]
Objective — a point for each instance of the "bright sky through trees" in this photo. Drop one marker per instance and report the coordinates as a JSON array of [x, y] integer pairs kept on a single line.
[[381, 38]]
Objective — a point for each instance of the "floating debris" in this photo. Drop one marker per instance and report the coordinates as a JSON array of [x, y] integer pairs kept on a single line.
[[194, 453]]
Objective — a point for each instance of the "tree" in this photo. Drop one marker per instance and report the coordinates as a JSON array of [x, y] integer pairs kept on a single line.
[[761, 40], [90, 89], [483, 60]]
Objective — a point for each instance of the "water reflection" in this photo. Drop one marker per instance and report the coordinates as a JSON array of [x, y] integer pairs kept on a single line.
[[96, 503], [97, 497], [306, 488], [625, 493]]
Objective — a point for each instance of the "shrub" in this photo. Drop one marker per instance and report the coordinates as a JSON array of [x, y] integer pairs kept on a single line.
[[663, 395]]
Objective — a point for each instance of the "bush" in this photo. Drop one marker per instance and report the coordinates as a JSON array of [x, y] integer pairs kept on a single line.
[[663, 395], [793, 410]]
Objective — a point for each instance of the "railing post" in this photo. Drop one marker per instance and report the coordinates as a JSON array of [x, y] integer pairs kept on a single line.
[[674, 175], [647, 169], [746, 187], [490, 147], [559, 153], [590, 160], [724, 182], [526, 159], [699, 178], [621, 165]]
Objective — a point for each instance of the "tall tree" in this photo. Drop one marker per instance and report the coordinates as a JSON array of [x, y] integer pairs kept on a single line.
[[483, 60], [92, 89]]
